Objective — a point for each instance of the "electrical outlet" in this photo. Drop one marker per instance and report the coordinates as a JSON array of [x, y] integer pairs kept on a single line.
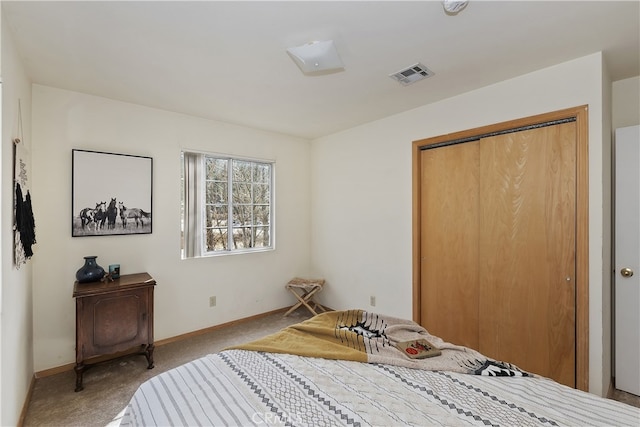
[[212, 301], [372, 300]]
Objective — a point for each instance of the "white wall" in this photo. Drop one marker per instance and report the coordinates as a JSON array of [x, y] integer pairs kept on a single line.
[[626, 102], [244, 285], [362, 195], [16, 337]]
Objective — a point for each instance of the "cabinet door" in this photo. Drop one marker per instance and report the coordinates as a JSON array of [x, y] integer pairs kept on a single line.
[[527, 250], [449, 242], [115, 322]]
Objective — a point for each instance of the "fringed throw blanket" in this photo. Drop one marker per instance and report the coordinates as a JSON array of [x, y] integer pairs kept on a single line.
[[361, 336]]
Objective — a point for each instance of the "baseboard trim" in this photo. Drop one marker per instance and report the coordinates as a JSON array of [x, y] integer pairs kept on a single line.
[[70, 366], [216, 327], [54, 371], [612, 388], [25, 405]]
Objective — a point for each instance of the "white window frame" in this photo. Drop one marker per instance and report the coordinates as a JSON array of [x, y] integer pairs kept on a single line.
[[194, 184]]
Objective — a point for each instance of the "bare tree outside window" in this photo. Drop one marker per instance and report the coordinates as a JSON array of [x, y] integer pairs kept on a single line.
[[237, 204]]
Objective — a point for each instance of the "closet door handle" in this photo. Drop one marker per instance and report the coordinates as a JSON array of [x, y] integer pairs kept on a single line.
[[626, 272]]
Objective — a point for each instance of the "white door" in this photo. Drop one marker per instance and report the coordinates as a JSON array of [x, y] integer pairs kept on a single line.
[[627, 259]]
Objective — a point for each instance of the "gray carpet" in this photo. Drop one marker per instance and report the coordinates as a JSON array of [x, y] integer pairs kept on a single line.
[[109, 386]]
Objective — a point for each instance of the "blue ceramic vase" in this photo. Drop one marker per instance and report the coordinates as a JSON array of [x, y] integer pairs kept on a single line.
[[90, 271]]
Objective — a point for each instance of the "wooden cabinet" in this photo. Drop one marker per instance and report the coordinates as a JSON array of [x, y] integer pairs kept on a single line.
[[111, 318]]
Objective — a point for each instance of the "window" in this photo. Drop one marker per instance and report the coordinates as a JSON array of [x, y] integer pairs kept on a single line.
[[227, 205]]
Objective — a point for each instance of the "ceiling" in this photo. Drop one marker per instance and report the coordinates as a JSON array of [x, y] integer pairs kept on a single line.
[[227, 60]]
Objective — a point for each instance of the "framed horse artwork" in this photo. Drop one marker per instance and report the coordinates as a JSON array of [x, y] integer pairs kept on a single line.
[[111, 194]]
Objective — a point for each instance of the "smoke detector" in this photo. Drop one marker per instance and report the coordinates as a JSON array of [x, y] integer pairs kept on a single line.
[[412, 74]]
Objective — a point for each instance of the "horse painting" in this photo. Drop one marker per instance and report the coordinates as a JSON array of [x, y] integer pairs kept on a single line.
[[135, 213], [112, 213]]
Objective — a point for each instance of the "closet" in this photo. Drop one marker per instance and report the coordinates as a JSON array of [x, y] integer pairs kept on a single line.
[[496, 213]]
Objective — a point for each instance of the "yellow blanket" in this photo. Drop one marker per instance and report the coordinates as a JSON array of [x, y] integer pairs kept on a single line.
[[361, 336], [319, 336]]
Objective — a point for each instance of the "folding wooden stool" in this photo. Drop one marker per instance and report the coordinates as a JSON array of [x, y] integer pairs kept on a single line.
[[304, 290]]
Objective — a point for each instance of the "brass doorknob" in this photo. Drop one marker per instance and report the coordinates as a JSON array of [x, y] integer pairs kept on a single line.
[[626, 272]]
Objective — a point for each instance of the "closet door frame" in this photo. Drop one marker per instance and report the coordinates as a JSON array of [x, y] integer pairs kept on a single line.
[[580, 114]]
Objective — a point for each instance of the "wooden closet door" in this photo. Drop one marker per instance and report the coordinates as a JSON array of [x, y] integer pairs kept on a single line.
[[527, 250], [449, 242]]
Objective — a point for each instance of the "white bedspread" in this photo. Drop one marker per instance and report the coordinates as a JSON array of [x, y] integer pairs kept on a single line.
[[242, 388]]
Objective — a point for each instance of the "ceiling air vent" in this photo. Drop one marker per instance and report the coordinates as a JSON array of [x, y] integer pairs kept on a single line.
[[412, 74]]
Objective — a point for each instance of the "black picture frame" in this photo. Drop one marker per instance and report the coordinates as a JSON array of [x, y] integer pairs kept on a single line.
[[112, 194]]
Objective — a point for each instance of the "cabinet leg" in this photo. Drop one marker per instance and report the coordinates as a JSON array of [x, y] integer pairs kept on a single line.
[[79, 368], [149, 355]]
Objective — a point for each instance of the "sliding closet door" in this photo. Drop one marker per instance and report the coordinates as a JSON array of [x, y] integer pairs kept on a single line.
[[449, 242], [527, 249]]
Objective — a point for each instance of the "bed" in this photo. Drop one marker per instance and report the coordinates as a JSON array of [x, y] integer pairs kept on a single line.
[[345, 368]]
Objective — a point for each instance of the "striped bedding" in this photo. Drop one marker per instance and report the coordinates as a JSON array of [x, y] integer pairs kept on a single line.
[[244, 388]]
